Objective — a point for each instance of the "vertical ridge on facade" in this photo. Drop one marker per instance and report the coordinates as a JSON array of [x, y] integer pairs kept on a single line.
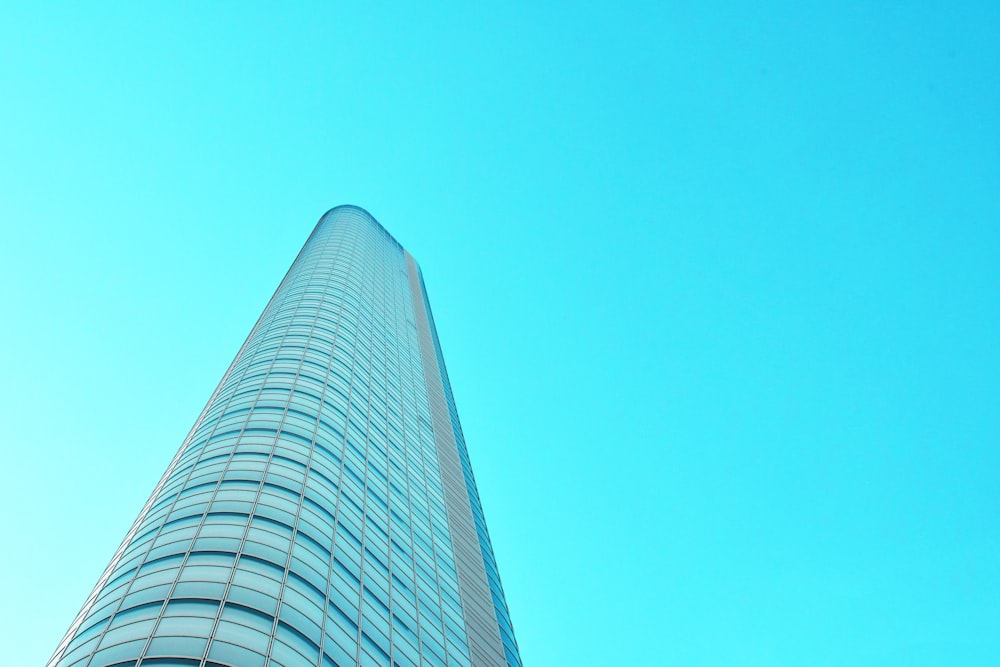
[[480, 620]]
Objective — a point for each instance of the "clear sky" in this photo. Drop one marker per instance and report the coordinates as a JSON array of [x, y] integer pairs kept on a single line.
[[717, 287]]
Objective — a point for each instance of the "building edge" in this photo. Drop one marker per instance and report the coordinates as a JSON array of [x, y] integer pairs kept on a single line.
[[103, 579]]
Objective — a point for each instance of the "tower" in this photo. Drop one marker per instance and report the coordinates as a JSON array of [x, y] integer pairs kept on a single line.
[[322, 510]]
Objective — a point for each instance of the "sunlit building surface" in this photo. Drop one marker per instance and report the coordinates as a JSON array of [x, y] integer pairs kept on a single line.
[[322, 511]]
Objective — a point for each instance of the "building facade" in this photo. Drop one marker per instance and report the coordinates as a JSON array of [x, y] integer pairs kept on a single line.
[[322, 511]]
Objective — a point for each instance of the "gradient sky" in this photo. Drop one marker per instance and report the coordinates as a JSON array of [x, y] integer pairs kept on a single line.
[[717, 287]]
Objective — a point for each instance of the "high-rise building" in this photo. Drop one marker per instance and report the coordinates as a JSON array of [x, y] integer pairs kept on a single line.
[[322, 510]]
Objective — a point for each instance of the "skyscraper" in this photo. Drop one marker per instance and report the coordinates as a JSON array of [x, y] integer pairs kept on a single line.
[[322, 510]]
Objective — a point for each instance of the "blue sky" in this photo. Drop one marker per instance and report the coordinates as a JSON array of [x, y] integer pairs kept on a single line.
[[717, 284]]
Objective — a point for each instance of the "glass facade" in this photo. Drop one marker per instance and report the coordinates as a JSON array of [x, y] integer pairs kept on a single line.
[[322, 511]]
